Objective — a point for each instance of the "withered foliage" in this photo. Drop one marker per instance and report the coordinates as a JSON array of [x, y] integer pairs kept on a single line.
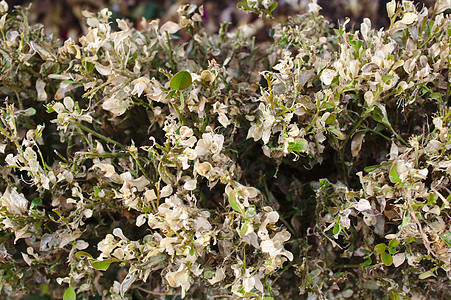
[[167, 160]]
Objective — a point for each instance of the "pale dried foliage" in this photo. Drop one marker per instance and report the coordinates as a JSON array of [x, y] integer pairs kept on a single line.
[[120, 155]]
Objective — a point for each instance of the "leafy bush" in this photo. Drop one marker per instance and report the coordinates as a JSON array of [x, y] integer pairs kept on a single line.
[[131, 159]]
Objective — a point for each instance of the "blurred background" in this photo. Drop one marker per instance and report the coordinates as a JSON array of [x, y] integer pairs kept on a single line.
[[63, 18]]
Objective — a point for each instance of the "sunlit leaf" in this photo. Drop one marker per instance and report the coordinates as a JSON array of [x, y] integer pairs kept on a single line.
[[181, 81], [380, 248], [69, 294], [273, 7], [394, 243], [394, 177], [298, 146], [446, 236], [426, 274], [234, 203], [387, 259], [101, 264]]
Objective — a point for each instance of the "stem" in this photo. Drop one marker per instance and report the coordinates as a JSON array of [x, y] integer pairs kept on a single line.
[[366, 129], [5, 237], [182, 101], [352, 266], [140, 167], [398, 136], [182, 119], [100, 136], [365, 115]]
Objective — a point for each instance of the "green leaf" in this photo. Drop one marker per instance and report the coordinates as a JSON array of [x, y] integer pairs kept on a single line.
[[165, 174], [297, 146], [96, 191], [331, 119], [367, 262], [45, 288], [35, 203], [432, 199], [243, 6], [101, 264], [387, 259], [394, 243], [244, 228], [69, 294], [392, 250], [405, 221], [446, 236], [336, 229], [69, 81], [339, 32], [426, 274], [234, 203], [436, 96], [394, 177], [83, 254], [380, 114], [273, 7], [380, 248], [337, 133], [30, 112], [410, 240], [181, 81], [394, 295], [370, 169], [387, 78]]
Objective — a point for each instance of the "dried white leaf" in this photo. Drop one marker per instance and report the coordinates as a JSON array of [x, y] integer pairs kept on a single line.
[[398, 259], [40, 88], [126, 283], [408, 18], [26, 258], [103, 70], [69, 103], [140, 220], [118, 232], [219, 275], [115, 106], [170, 27], [391, 7], [14, 202], [363, 205], [190, 185], [369, 98], [327, 76], [81, 244], [441, 6], [272, 217], [166, 191], [139, 183], [150, 195], [356, 144]]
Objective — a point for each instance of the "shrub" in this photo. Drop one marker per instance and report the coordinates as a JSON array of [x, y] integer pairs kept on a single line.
[[132, 162]]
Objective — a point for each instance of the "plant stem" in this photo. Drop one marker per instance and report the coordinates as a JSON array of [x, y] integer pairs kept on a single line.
[[100, 136]]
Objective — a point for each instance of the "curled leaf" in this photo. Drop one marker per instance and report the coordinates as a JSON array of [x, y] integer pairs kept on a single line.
[[101, 264], [83, 254]]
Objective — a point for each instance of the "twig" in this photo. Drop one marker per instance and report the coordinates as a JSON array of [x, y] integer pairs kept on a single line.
[[423, 235], [150, 292]]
